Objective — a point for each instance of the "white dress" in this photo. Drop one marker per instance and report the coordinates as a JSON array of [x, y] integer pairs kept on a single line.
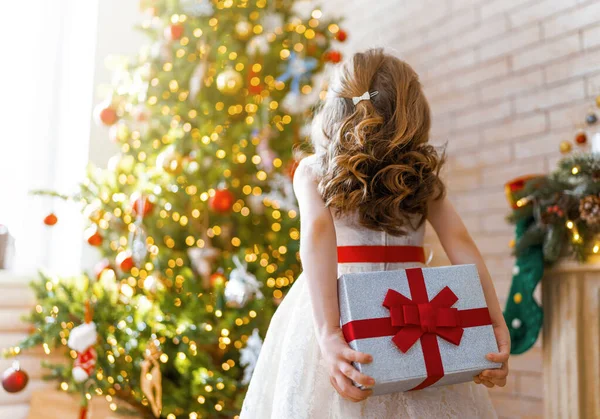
[[290, 380]]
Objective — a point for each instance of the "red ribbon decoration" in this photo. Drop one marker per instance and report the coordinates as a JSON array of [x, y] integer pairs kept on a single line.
[[380, 254], [420, 319]]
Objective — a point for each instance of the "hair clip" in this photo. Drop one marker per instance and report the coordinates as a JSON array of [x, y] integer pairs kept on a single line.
[[365, 96]]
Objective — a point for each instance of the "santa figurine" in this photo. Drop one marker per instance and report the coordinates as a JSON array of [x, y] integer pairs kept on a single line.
[[82, 340]]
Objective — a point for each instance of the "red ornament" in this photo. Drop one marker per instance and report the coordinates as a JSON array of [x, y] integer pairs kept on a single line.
[[333, 56], [174, 32], [341, 35], [141, 202], [92, 236], [14, 379], [222, 201], [254, 85], [125, 261], [50, 219], [581, 138], [108, 116], [100, 267], [217, 280]]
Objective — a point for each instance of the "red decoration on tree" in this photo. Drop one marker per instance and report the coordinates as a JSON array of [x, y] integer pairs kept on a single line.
[[93, 236], [581, 138], [106, 114], [217, 280], [254, 85], [14, 378], [125, 261], [100, 267], [174, 32], [50, 219], [333, 56], [222, 201], [82, 340], [341, 35], [141, 202]]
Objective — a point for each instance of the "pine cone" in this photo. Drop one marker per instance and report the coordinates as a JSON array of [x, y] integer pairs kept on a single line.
[[596, 175], [589, 209]]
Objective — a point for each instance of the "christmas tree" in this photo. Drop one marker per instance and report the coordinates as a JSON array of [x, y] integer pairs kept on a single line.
[[196, 216]]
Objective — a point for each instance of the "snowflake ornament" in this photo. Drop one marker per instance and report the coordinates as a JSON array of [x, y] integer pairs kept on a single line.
[[297, 70]]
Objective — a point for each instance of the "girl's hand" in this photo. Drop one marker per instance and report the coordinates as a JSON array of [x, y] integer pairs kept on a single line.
[[497, 377], [339, 356]]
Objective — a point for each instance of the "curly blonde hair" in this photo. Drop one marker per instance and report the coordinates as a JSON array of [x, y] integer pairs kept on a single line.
[[374, 156]]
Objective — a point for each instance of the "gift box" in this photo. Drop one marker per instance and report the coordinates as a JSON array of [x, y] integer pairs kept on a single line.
[[424, 327]]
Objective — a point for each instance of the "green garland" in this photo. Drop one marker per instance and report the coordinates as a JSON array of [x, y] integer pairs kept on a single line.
[[561, 224]]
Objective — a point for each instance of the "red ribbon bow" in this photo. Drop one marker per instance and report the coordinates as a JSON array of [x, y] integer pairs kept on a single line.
[[420, 319], [436, 316]]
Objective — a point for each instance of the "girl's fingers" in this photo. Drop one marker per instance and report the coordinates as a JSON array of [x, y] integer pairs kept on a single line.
[[500, 382], [500, 373], [477, 379], [498, 357], [353, 374], [350, 391], [487, 383], [352, 355]]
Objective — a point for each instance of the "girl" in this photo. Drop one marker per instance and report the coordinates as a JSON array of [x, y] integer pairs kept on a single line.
[[373, 181]]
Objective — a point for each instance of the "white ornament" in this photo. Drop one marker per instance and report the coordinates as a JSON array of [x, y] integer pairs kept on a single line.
[[296, 103], [271, 22], [282, 192], [202, 259], [516, 270], [197, 79], [258, 44], [197, 7], [256, 204], [139, 248], [249, 355], [79, 374], [516, 323], [241, 286], [303, 9], [82, 337], [152, 284]]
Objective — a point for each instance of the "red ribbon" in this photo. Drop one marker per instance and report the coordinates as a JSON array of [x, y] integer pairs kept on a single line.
[[420, 319], [380, 254]]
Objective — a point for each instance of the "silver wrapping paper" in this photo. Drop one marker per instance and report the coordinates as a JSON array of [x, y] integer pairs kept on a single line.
[[361, 296]]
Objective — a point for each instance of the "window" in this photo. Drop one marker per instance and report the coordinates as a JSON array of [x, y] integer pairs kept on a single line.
[[46, 71]]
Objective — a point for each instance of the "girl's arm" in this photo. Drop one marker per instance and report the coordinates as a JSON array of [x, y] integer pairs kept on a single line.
[[318, 251], [461, 249]]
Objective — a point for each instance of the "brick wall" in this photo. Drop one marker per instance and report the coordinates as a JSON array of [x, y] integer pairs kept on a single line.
[[507, 80]]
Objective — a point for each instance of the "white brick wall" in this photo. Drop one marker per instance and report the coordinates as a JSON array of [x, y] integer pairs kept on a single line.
[[507, 80]]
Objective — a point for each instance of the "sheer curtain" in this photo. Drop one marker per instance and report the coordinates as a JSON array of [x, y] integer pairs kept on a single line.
[[46, 71]]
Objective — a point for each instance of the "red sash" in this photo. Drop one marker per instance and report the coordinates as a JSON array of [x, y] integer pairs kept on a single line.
[[380, 254]]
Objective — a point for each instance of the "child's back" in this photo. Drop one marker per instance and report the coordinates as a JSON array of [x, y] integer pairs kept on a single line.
[[364, 198]]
